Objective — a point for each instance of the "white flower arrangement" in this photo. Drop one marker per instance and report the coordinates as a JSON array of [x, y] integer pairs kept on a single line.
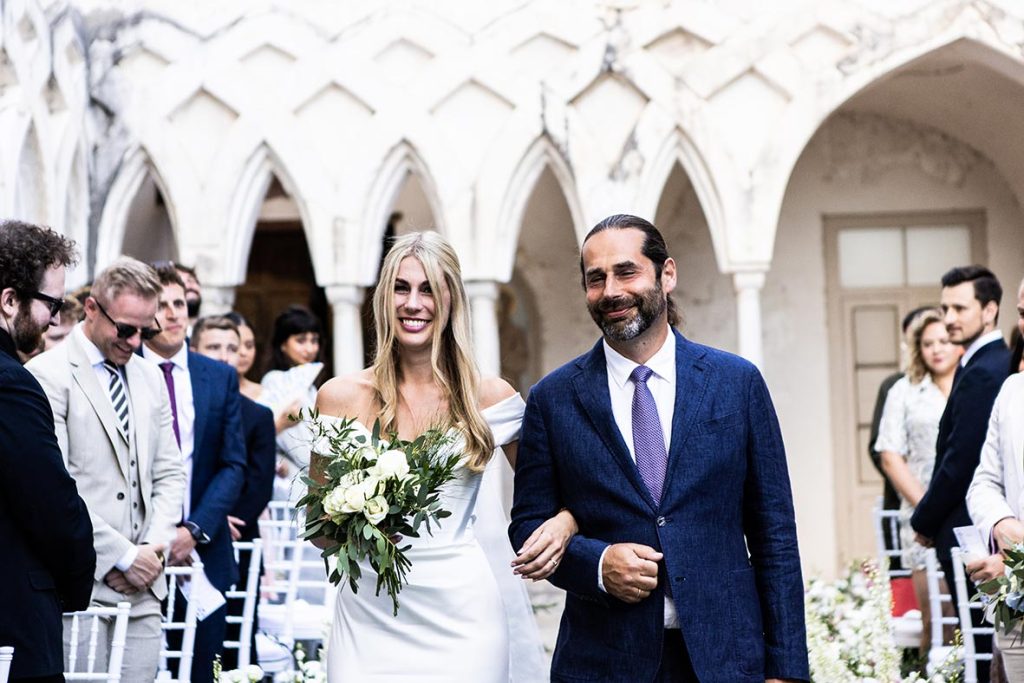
[[850, 632]]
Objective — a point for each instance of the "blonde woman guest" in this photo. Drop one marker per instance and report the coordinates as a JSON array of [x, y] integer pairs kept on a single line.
[[908, 431], [464, 616]]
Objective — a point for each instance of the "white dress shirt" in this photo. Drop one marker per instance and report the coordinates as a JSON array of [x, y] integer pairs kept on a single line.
[[663, 387], [186, 411], [978, 343]]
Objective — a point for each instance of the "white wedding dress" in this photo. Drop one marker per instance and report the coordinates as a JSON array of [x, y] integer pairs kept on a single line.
[[463, 615]]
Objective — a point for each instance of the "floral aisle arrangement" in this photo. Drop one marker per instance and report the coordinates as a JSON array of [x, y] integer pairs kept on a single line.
[[1005, 594], [849, 631], [366, 492]]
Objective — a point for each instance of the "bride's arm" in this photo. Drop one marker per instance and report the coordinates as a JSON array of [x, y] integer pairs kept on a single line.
[[543, 550]]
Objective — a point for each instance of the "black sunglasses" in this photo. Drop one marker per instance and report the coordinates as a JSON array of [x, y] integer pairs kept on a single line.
[[126, 331], [55, 303]]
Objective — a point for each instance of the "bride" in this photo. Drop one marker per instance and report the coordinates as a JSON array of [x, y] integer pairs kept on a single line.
[[464, 615]]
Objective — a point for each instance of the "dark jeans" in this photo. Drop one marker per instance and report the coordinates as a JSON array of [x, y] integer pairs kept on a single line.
[[56, 678], [675, 660]]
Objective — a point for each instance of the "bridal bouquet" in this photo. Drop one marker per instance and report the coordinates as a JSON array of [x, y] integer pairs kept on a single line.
[[1005, 594], [367, 491]]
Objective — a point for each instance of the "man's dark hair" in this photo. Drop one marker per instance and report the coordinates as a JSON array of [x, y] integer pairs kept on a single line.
[[168, 274], [986, 285], [26, 252], [654, 248], [293, 320]]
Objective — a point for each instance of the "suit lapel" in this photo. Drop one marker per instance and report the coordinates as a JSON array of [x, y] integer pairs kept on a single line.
[[141, 414], [85, 376], [591, 388], [691, 385], [201, 392]]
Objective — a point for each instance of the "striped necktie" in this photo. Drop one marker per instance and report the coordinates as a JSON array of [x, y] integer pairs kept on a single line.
[[118, 396]]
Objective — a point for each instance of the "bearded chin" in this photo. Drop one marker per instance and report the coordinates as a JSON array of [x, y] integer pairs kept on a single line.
[[28, 337], [193, 307]]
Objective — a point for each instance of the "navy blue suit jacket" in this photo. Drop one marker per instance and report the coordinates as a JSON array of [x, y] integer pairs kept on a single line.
[[260, 447], [218, 462], [47, 558], [726, 490], [962, 430]]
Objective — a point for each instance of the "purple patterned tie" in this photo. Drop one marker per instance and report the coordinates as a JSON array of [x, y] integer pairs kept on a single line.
[[168, 368], [648, 438]]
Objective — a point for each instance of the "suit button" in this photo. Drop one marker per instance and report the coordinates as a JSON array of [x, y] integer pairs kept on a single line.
[[135, 505], [120, 496], [661, 521], [133, 463], [134, 484]]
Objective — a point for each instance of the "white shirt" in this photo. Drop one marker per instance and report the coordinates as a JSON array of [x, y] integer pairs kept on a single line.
[[662, 384], [97, 359], [978, 343], [186, 411]]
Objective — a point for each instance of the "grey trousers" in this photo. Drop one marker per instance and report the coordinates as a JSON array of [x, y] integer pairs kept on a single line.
[[142, 645]]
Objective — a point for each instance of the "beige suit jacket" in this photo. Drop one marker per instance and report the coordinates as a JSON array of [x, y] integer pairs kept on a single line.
[[100, 459]]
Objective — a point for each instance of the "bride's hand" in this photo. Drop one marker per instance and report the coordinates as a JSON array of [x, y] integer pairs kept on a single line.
[[543, 550]]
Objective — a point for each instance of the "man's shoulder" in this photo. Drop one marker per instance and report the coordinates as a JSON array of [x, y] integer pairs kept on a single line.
[[214, 367], [561, 377], [724, 364]]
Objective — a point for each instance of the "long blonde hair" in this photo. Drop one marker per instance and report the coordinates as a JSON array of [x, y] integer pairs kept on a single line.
[[916, 367], [451, 353]]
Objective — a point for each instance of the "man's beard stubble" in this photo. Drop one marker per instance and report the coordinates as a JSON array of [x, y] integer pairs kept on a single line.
[[193, 306], [649, 304], [27, 335]]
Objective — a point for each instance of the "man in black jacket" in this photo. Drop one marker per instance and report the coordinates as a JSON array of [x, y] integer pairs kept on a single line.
[[45, 533], [970, 303]]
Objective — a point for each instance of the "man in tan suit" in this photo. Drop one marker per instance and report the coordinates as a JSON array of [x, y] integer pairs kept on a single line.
[[114, 426]]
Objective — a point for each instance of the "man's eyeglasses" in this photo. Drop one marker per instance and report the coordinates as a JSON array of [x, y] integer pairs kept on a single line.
[[54, 303], [126, 331]]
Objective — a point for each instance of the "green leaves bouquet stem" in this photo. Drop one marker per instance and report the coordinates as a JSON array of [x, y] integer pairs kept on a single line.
[[367, 491], [1005, 593]]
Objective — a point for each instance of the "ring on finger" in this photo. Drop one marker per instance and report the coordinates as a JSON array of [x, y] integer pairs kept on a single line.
[[553, 562], [638, 591]]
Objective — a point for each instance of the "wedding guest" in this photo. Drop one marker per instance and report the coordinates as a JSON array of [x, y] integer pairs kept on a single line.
[[294, 366], [218, 338], [206, 410], [970, 305], [1017, 355], [909, 427], [254, 390], [45, 532], [995, 497], [115, 430], [890, 499]]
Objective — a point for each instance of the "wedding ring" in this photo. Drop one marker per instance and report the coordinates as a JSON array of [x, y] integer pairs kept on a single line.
[[638, 592], [554, 562]]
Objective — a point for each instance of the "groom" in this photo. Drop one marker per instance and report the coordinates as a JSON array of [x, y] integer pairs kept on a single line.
[[669, 455]]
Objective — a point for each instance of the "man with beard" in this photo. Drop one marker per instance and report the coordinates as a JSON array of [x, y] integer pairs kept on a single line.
[[193, 293], [45, 532], [670, 457]]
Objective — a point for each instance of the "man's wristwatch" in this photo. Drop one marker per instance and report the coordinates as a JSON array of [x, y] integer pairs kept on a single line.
[[196, 532]]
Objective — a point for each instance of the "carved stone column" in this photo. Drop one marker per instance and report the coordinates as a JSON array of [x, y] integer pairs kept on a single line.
[[483, 301], [748, 287], [217, 299], [346, 305]]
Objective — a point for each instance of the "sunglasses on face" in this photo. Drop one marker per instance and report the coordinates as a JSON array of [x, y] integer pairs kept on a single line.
[[54, 303], [126, 331]]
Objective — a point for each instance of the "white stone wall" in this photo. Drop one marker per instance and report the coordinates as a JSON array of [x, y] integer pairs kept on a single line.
[[341, 101]]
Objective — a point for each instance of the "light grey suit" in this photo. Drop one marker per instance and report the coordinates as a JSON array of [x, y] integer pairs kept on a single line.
[[104, 465]]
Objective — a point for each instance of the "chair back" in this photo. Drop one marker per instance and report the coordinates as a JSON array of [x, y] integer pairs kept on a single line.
[[176, 576], [245, 590], [967, 628], [888, 521], [89, 622], [297, 598], [6, 655], [938, 599]]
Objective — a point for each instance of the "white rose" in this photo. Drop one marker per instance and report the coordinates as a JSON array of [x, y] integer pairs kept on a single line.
[[355, 499], [254, 673], [376, 509], [367, 453], [334, 502], [350, 479], [372, 485], [393, 464]]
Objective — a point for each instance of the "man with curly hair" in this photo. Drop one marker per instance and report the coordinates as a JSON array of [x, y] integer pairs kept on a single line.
[[47, 540]]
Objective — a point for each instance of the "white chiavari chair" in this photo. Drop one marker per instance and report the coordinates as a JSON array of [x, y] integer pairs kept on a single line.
[[297, 599], [245, 590], [907, 628], [6, 655], [87, 626], [967, 628], [187, 627], [939, 601]]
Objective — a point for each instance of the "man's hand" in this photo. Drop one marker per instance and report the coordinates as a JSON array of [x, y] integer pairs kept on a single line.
[[235, 527], [148, 564], [985, 569], [115, 578], [630, 571], [181, 549], [923, 540], [1007, 532]]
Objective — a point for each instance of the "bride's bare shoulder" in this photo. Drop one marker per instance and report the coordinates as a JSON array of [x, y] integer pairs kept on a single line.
[[348, 395], [494, 390]]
